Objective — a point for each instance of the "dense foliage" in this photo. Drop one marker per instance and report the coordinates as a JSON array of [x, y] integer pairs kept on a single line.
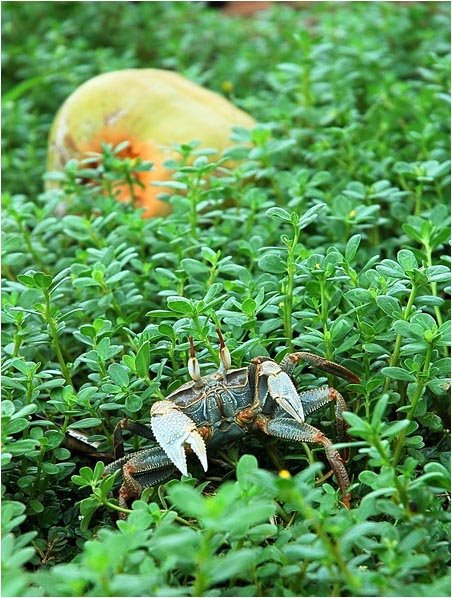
[[330, 236]]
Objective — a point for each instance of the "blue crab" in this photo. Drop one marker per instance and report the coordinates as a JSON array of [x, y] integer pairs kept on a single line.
[[212, 410]]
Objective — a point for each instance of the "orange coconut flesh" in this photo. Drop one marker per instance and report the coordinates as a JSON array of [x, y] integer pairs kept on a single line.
[[152, 109]]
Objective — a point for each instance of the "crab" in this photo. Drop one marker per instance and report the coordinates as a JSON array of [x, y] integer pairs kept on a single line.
[[212, 410]]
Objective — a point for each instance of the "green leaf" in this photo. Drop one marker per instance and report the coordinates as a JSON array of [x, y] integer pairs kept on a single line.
[[413, 539], [87, 474], [431, 421], [246, 466], [352, 247], [36, 506], [143, 360], [262, 532], [209, 254], [118, 374], [98, 470], [194, 267], [249, 307], [394, 428], [16, 425], [115, 278], [80, 481], [358, 531], [357, 425], [379, 410], [391, 269], [28, 279], [87, 422], [340, 329], [407, 260], [232, 564], [279, 214], [22, 447], [245, 516], [438, 274], [103, 349], [370, 478], [179, 305], [412, 232], [187, 499], [7, 408], [354, 420], [134, 403], [390, 305], [43, 281], [310, 215], [272, 263], [88, 506], [397, 373], [180, 542]]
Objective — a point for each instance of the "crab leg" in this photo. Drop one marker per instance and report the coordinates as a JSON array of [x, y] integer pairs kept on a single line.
[[288, 429], [290, 361], [316, 398], [172, 429], [139, 470], [135, 428]]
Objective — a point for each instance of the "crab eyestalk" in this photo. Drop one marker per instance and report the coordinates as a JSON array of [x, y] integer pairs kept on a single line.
[[225, 356], [193, 364]]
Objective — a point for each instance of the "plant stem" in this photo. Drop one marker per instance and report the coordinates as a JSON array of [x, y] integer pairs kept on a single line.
[[112, 505], [418, 200], [421, 382], [289, 284], [27, 238], [398, 342], [331, 544], [200, 332], [9, 273], [403, 498], [193, 213], [201, 581], [434, 287], [17, 340], [54, 336]]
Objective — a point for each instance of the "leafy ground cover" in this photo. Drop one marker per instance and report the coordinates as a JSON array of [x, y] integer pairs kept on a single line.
[[330, 236]]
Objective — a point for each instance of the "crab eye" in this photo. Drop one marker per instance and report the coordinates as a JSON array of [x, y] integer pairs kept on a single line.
[[225, 357], [193, 364], [193, 369]]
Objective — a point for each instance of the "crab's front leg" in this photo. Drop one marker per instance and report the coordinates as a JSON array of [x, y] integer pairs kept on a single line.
[[173, 429], [289, 429]]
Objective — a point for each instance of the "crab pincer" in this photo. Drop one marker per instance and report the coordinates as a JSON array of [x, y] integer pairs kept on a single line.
[[172, 430]]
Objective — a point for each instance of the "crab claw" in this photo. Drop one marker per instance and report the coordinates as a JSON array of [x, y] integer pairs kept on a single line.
[[172, 429], [282, 390]]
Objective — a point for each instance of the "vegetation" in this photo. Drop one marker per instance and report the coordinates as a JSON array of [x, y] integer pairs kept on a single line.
[[330, 236]]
